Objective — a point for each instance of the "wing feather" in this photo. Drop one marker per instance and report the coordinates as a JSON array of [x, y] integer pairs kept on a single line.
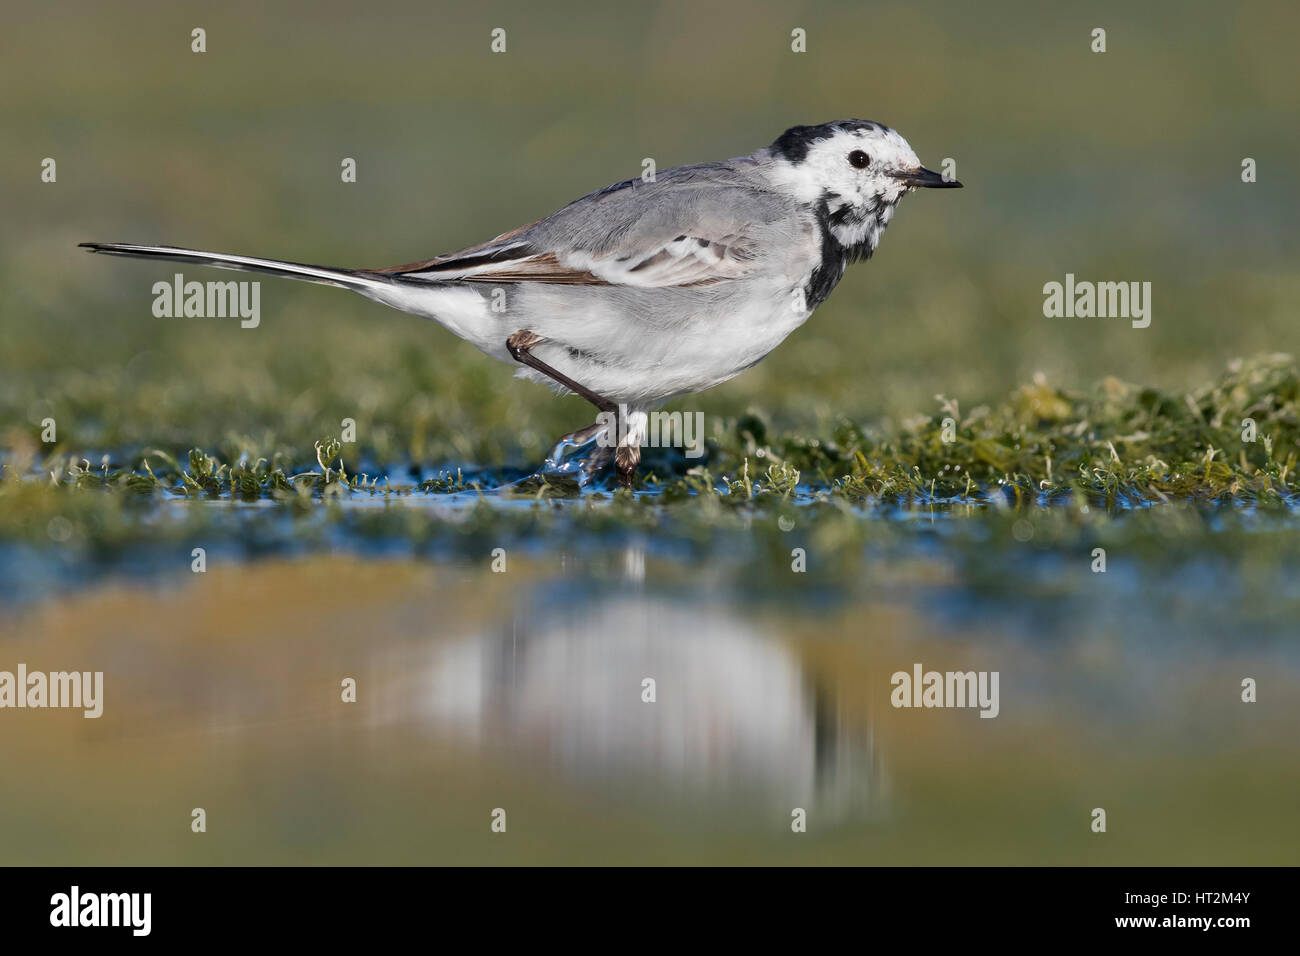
[[694, 226]]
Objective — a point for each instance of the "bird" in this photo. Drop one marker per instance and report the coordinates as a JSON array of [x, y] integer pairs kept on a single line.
[[651, 288]]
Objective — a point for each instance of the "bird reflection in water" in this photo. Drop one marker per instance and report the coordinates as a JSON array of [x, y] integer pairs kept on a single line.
[[666, 700]]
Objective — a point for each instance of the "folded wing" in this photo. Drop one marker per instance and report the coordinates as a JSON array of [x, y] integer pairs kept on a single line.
[[693, 226]]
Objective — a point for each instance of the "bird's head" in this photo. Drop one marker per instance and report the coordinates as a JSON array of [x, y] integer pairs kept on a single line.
[[855, 171]]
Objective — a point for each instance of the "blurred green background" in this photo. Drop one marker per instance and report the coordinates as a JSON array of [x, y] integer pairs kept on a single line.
[[1121, 688], [1123, 165]]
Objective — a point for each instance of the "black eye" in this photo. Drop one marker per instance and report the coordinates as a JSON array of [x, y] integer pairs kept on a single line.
[[858, 159]]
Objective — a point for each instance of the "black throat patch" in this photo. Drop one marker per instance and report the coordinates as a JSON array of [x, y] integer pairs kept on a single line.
[[836, 256]]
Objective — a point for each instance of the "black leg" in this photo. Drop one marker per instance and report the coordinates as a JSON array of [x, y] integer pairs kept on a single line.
[[581, 436], [626, 457], [520, 346]]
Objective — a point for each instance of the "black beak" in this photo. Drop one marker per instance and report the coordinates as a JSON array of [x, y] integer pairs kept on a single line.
[[926, 177]]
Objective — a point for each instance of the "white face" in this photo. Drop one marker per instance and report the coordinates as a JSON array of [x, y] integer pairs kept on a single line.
[[856, 171]]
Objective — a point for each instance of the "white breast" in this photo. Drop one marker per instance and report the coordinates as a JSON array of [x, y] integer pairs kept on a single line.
[[647, 347]]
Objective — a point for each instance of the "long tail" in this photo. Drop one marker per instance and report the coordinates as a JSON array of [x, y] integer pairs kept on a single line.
[[353, 279]]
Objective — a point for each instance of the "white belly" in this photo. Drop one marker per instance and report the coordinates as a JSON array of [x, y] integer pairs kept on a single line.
[[644, 349], [636, 346]]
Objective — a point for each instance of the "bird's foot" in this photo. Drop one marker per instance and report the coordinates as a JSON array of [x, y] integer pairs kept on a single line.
[[626, 459], [579, 455]]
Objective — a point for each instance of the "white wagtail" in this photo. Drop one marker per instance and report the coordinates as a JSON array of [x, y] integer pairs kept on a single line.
[[651, 288]]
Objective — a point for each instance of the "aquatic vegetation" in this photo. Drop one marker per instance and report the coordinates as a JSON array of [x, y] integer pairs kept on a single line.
[[1008, 489], [1233, 440]]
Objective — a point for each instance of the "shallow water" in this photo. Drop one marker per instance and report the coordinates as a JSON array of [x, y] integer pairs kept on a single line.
[[521, 688]]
